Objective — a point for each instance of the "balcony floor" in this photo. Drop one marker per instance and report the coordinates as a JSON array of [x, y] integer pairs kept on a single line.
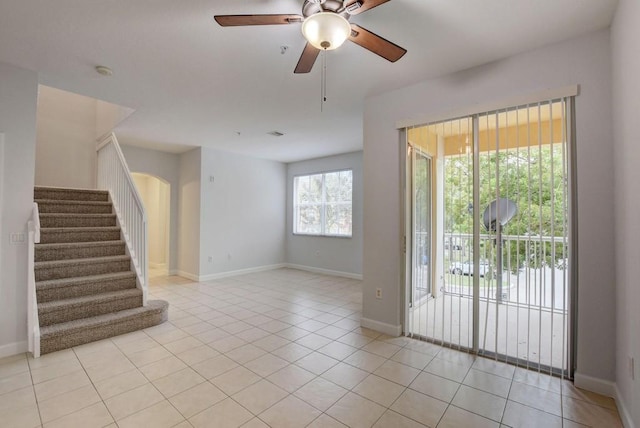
[[529, 334]]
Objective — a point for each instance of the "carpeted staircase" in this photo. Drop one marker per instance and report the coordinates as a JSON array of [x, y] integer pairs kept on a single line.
[[85, 284]]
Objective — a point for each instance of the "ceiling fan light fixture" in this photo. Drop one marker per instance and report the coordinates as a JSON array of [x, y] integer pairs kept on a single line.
[[326, 30]]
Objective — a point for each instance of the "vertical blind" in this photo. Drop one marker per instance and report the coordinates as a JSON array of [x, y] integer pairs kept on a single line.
[[499, 288]]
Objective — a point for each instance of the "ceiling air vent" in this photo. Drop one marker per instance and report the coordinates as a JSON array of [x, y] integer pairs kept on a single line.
[[276, 133]]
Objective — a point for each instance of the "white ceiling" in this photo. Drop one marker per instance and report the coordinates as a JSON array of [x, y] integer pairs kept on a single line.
[[194, 83]]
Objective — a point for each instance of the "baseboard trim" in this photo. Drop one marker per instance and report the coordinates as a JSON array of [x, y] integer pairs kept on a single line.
[[239, 272], [264, 268], [157, 265], [594, 384], [324, 271], [623, 410], [14, 348], [382, 327], [187, 275]]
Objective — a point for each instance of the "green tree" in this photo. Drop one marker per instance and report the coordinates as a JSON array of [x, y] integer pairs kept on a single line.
[[534, 178]]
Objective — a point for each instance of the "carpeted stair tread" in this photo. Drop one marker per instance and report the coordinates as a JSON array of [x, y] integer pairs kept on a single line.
[[79, 229], [78, 250], [74, 215], [70, 194], [65, 282], [62, 328], [74, 262], [77, 332], [63, 245], [63, 220], [73, 207], [59, 311], [51, 235], [83, 244], [84, 300], [64, 288], [81, 267]]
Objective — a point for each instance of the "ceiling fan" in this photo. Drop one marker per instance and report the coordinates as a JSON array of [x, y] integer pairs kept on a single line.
[[325, 25]]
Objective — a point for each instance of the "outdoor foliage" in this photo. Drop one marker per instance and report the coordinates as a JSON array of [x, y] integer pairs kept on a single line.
[[531, 177]]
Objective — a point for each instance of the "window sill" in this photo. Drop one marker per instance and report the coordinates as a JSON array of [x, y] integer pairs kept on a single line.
[[309, 235]]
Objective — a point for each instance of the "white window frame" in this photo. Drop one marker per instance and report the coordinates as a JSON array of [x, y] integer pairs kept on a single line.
[[323, 204]]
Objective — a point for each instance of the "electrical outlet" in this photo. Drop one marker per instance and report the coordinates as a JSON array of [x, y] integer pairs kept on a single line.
[[632, 368], [210, 259], [212, 179], [229, 257], [378, 293]]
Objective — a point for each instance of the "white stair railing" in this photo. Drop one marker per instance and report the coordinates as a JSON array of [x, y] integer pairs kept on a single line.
[[114, 176], [33, 324]]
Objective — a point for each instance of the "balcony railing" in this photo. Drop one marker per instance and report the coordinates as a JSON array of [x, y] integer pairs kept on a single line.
[[534, 270]]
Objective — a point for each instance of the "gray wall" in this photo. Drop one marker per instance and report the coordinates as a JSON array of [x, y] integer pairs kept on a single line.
[[66, 136], [341, 255], [167, 167], [625, 36], [18, 97], [242, 212], [189, 215], [583, 61]]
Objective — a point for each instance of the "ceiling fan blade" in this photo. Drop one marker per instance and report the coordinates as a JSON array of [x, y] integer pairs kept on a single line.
[[307, 59], [241, 20], [376, 44], [364, 5]]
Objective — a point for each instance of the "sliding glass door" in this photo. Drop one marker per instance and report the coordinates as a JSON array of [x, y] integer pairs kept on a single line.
[[489, 245]]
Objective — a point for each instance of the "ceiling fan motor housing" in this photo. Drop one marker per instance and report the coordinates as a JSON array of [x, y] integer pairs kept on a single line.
[[311, 7]]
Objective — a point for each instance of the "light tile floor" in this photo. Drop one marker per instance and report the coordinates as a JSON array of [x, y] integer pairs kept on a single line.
[[278, 349]]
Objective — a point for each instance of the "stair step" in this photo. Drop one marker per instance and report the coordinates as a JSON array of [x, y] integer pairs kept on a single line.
[[76, 207], [73, 333], [78, 250], [63, 194], [66, 288], [81, 267], [77, 220], [51, 235], [60, 311]]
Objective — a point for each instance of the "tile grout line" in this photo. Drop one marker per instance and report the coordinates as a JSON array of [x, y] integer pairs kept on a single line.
[[35, 396]]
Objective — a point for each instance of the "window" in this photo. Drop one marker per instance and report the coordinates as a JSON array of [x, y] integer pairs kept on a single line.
[[322, 204]]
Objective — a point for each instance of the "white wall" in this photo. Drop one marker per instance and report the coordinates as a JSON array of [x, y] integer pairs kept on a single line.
[[68, 127], [583, 61], [189, 214], [625, 35], [159, 253], [167, 167], [242, 213], [18, 98], [108, 116], [342, 255], [238, 219], [66, 136]]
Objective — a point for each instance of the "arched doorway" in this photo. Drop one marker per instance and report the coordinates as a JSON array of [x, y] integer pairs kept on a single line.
[[156, 197]]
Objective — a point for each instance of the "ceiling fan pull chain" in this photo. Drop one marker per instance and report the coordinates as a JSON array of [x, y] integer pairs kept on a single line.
[[323, 86]]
